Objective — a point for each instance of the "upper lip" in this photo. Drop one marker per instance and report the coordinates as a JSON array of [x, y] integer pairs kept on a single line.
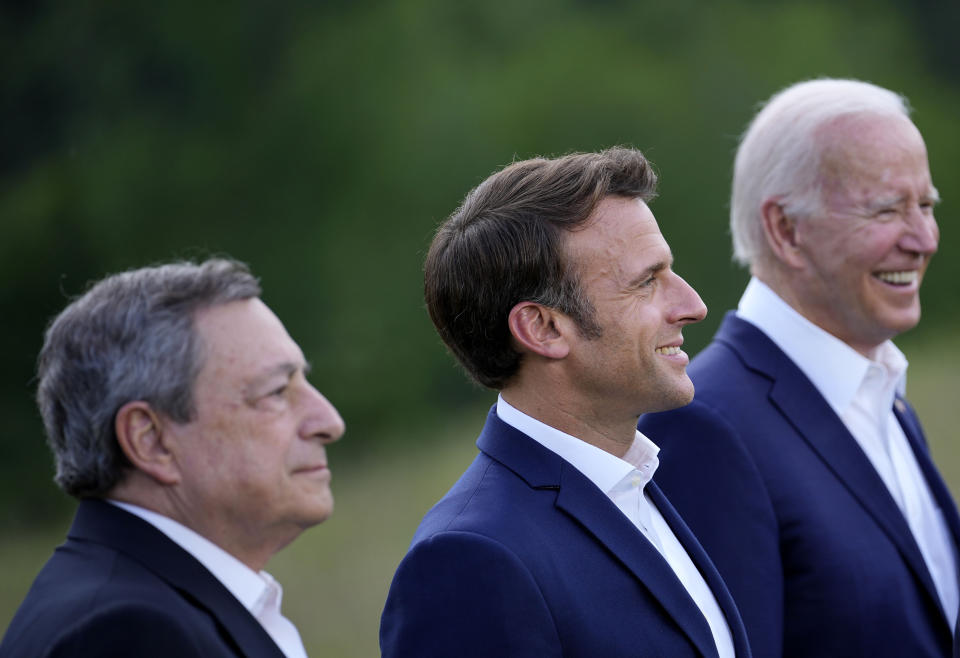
[[676, 343]]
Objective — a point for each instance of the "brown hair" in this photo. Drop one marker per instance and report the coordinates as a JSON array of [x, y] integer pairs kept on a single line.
[[504, 245]]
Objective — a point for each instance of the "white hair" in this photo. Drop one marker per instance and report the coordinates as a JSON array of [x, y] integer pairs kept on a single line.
[[779, 154]]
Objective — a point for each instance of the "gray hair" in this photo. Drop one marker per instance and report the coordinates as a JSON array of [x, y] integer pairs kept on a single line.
[[129, 337], [779, 154]]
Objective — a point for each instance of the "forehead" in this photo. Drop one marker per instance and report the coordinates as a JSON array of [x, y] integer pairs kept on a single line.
[[621, 237], [241, 339], [886, 150]]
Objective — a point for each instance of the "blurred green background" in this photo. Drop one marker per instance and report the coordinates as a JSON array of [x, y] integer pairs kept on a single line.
[[323, 142]]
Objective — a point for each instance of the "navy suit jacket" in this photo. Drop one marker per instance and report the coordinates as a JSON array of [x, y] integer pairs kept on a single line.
[[816, 552], [120, 587], [526, 557]]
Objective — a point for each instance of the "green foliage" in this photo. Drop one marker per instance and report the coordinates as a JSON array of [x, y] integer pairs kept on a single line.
[[323, 143]]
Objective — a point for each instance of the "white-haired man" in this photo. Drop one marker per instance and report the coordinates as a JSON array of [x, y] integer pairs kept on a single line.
[[799, 465]]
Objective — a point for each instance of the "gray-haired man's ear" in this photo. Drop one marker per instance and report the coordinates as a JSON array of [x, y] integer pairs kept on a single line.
[[140, 433]]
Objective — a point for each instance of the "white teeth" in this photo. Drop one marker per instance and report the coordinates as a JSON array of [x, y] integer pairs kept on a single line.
[[668, 350], [906, 276]]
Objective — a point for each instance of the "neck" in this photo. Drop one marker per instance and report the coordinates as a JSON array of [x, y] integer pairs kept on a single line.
[[574, 418], [781, 285], [253, 551]]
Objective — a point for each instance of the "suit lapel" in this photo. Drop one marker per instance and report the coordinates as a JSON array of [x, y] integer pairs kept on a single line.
[[815, 421], [706, 567], [106, 524], [914, 433], [580, 499]]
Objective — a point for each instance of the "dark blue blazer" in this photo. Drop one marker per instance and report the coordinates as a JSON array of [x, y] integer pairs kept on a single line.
[[816, 552], [120, 587], [525, 557]]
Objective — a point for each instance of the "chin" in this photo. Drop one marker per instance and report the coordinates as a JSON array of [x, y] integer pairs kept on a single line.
[[904, 316], [680, 397], [684, 393], [896, 323], [318, 511], [325, 512], [909, 322], [683, 401]]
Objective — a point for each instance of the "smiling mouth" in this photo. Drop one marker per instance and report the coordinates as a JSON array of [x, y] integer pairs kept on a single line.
[[669, 351], [898, 278]]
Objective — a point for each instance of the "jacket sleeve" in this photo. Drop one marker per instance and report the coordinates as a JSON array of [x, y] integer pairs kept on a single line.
[[466, 595]]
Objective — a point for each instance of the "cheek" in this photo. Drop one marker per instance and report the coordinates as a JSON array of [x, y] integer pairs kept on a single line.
[[246, 448], [858, 254], [878, 242]]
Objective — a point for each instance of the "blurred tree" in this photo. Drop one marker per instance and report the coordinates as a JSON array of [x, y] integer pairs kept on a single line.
[[323, 143]]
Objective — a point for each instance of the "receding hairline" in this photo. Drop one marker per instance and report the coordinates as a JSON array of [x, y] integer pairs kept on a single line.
[[280, 366]]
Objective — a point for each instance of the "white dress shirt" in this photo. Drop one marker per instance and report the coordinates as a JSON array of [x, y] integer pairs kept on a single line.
[[623, 481], [863, 393], [257, 592]]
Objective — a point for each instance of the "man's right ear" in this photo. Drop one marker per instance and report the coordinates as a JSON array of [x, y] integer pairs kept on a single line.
[[781, 233], [539, 329], [140, 433]]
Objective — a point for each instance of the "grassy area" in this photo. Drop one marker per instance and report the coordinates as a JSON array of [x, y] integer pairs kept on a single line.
[[336, 576]]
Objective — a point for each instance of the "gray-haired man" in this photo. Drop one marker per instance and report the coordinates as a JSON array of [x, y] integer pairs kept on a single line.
[[179, 413]]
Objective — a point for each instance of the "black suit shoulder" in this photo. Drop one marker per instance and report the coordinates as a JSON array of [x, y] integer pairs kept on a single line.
[[131, 628], [90, 600], [119, 586]]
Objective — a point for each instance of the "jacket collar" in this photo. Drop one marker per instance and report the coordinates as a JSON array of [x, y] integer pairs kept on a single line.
[[820, 427], [588, 506], [102, 523]]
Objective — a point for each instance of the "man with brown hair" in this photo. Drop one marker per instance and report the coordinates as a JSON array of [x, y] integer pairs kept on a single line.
[[553, 284]]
